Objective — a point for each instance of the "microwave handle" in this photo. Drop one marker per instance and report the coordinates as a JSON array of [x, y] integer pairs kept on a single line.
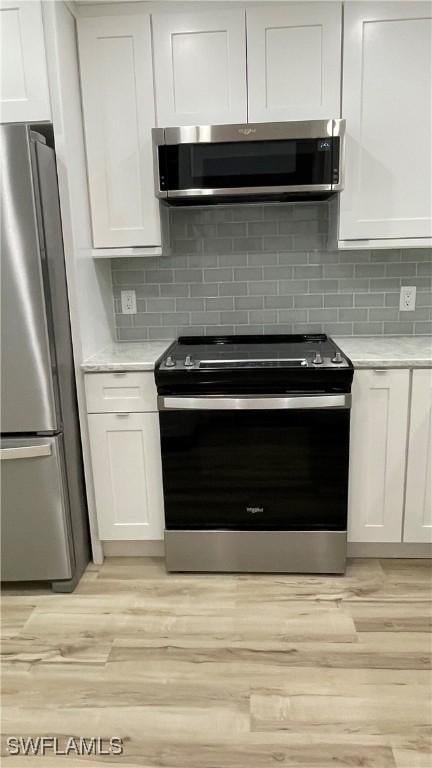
[[215, 403]]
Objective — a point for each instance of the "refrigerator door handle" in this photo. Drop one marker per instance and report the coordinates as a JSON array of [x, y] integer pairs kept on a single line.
[[27, 452]]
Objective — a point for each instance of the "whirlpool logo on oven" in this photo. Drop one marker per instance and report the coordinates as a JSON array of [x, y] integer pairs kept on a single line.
[[254, 510]]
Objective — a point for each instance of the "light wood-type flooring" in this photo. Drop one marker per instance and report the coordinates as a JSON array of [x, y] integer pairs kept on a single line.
[[226, 671]]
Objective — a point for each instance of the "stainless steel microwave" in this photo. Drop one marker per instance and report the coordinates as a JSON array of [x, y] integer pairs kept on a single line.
[[207, 164]]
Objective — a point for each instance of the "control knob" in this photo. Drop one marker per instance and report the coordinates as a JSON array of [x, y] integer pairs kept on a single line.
[[337, 359], [318, 359], [170, 362], [188, 361]]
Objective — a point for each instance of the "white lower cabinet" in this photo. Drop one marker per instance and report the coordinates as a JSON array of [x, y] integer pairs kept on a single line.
[[379, 423], [127, 472], [418, 500]]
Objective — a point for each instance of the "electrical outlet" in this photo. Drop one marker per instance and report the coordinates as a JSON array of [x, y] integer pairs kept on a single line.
[[407, 300], [128, 302]]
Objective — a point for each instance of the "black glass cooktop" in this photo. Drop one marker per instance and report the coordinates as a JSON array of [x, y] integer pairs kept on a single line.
[[276, 363], [290, 350]]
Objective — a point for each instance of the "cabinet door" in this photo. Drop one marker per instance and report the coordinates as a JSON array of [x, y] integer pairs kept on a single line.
[[418, 500], [387, 103], [200, 68], [24, 95], [294, 61], [127, 473], [117, 89], [379, 422]]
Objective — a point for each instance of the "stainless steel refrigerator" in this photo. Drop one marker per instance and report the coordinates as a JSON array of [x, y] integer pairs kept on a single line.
[[44, 529]]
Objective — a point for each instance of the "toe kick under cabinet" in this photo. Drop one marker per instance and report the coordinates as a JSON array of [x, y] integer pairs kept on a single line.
[[390, 497], [126, 457]]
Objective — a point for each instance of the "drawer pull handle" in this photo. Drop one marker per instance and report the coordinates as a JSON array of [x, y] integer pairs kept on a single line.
[[120, 373], [122, 415], [380, 370]]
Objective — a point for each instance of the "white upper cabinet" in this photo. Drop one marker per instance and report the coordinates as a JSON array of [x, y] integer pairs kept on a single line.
[[117, 89], [24, 95], [294, 61], [200, 67], [387, 103], [418, 501], [379, 422]]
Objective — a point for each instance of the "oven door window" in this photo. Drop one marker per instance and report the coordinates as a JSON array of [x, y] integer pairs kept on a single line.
[[255, 470], [235, 165]]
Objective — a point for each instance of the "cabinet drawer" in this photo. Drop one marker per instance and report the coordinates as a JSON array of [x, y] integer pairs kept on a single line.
[[120, 392]]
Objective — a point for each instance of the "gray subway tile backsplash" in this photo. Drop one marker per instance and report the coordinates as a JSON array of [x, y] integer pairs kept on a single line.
[[339, 299], [278, 302], [267, 269], [262, 288], [263, 316], [207, 290], [425, 268], [190, 305], [352, 314], [403, 270], [219, 303], [309, 301], [160, 305], [373, 299], [423, 329], [249, 302], [229, 229], [177, 290], [217, 275]]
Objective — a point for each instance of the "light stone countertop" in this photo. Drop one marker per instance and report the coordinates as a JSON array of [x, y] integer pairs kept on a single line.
[[387, 351], [364, 351], [127, 356]]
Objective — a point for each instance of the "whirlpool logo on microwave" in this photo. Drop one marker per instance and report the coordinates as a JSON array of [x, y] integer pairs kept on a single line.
[[246, 131], [254, 510]]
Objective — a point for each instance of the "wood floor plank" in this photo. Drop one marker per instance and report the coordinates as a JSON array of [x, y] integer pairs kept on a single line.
[[14, 614], [373, 651], [417, 756], [391, 617], [376, 712], [407, 570], [245, 755], [31, 650], [294, 622]]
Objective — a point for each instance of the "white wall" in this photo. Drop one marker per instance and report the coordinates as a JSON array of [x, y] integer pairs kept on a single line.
[[89, 281]]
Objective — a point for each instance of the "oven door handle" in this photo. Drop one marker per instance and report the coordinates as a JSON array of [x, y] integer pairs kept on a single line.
[[266, 402]]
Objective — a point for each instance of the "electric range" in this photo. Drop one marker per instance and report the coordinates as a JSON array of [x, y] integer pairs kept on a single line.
[[255, 453]]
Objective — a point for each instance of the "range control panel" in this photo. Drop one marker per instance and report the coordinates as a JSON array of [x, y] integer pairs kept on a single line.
[[316, 360]]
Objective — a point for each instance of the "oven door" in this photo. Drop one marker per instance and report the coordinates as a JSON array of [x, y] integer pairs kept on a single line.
[[245, 463]]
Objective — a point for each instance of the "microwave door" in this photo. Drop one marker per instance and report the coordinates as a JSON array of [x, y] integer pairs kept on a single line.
[[251, 168]]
